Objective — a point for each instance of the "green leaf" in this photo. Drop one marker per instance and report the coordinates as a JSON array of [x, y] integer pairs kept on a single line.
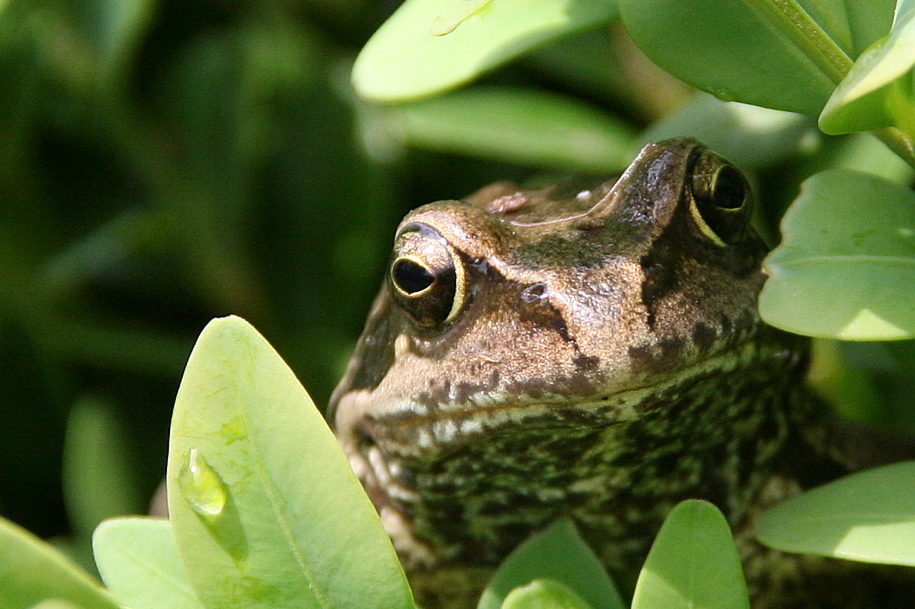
[[877, 92], [868, 21], [868, 517], [139, 564], [97, 470], [518, 126], [405, 59], [786, 55], [558, 554], [32, 571], [265, 508], [846, 266], [693, 563], [544, 594]]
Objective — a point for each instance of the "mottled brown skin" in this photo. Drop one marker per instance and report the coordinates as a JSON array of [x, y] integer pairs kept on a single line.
[[592, 350]]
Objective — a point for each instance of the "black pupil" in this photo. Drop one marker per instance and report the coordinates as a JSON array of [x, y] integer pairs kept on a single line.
[[729, 189], [412, 277]]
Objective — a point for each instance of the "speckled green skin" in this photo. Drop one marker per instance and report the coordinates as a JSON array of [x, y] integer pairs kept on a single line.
[[589, 350]]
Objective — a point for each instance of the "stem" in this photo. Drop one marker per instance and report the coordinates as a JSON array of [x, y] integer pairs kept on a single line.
[[794, 22]]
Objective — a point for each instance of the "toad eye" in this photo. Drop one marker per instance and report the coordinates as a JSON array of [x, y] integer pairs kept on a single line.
[[427, 276], [720, 199]]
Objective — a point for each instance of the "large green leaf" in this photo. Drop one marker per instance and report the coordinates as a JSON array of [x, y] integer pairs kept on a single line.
[[869, 517], [877, 92], [786, 54], [265, 509], [846, 267], [693, 563], [405, 59], [518, 126], [139, 564], [32, 571], [558, 554]]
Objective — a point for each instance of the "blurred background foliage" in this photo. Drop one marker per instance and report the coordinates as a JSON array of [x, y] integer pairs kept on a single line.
[[163, 162]]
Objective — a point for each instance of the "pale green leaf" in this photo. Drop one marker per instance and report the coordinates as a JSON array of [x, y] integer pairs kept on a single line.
[[544, 594], [518, 126], [558, 554], [783, 55], [693, 563], [31, 571], [454, 13], [868, 517], [265, 508], [877, 92], [846, 266], [405, 59], [139, 564]]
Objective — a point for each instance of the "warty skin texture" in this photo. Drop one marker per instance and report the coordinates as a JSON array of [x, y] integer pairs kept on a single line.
[[585, 349]]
